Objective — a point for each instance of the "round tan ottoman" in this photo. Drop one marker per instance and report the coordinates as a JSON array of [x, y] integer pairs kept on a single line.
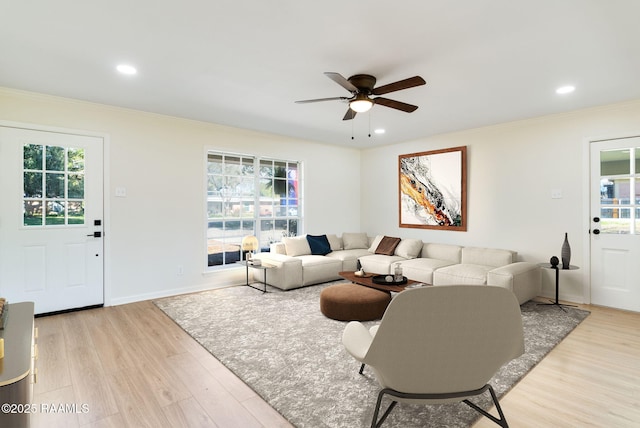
[[353, 302]]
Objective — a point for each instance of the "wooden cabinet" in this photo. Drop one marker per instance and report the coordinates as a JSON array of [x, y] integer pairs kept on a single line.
[[17, 368]]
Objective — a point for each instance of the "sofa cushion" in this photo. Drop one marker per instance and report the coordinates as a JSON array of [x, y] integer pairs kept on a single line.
[[464, 274], [421, 269], [335, 242], [375, 242], [409, 248], [319, 244], [354, 240], [378, 263], [349, 254], [523, 278], [349, 258], [287, 271], [311, 260], [487, 256], [297, 246], [317, 269], [278, 248], [387, 246], [447, 252]]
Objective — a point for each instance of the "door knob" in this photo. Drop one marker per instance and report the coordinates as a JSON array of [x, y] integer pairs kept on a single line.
[[596, 231], [596, 219], [96, 234]]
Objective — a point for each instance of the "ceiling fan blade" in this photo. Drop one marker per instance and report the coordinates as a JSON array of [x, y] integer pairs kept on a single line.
[[399, 85], [340, 80], [395, 104], [317, 100], [350, 114]]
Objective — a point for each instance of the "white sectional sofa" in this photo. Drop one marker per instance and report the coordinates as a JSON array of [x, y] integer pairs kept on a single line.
[[297, 264]]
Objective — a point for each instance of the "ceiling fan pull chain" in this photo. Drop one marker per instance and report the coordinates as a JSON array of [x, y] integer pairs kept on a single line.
[[369, 124], [352, 129]]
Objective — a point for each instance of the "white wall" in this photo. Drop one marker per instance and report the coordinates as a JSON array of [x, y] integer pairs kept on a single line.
[[512, 169], [160, 160], [160, 224]]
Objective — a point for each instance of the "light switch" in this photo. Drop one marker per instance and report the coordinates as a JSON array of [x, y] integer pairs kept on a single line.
[[121, 192], [556, 193]]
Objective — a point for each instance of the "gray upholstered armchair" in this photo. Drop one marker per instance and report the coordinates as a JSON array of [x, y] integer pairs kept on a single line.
[[439, 345]]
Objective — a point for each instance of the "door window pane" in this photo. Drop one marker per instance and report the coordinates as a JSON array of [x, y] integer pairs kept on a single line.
[[52, 176], [615, 220], [55, 213], [55, 185], [615, 191], [55, 158], [32, 156], [32, 184], [32, 213], [615, 162], [76, 186], [76, 212], [75, 159]]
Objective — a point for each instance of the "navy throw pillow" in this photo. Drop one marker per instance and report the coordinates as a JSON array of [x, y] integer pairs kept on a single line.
[[319, 244]]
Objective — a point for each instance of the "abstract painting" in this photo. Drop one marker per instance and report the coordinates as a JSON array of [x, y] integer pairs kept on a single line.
[[433, 189]]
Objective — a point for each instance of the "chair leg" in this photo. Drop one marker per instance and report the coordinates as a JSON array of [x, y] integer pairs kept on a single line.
[[502, 421], [375, 423], [361, 369]]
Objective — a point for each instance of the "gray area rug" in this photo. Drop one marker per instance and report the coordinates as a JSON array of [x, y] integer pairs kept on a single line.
[[291, 355]]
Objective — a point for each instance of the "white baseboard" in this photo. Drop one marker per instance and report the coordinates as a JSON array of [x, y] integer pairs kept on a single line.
[[213, 280], [166, 293], [574, 298]]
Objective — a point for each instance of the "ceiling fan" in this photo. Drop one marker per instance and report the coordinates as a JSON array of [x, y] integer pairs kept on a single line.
[[361, 87]]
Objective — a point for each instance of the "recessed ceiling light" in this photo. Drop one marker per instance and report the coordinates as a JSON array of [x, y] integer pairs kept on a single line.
[[126, 69], [379, 131], [565, 89]]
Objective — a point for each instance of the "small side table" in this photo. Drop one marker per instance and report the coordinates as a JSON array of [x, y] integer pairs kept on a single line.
[[263, 267], [557, 269]]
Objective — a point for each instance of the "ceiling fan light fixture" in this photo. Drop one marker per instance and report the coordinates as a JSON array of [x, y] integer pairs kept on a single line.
[[361, 104], [362, 86]]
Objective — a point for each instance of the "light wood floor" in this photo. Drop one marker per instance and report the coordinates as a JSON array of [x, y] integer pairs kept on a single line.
[[131, 366]]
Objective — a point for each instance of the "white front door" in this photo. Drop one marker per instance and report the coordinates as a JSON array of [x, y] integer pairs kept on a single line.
[[615, 223], [51, 210]]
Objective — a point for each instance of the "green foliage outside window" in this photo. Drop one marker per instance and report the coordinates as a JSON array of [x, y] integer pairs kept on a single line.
[[53, 185]]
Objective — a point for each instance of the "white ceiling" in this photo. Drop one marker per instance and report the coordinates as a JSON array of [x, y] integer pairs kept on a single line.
[[244, 63]]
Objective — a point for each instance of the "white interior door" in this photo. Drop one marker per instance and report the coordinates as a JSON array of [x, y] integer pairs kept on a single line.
[[615, 223], [51, 210]]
